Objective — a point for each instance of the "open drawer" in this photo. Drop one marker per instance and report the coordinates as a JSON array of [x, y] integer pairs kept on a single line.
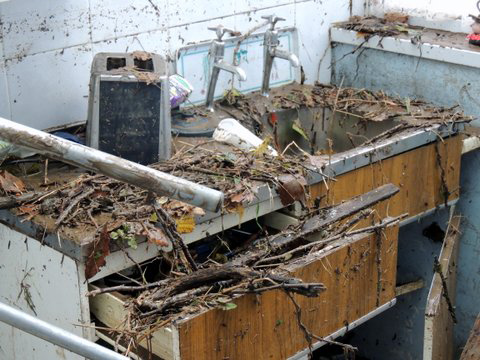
[[358, 271]]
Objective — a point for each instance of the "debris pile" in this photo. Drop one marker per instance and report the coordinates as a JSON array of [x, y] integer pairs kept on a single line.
[[264, 265], [392, 24], [363, 104]]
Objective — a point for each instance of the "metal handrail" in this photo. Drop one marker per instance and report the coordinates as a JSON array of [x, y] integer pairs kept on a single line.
[[56, 335], [110, 165]]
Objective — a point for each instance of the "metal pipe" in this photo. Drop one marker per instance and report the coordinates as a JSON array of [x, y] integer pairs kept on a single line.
[[55, 335], [110, 165]]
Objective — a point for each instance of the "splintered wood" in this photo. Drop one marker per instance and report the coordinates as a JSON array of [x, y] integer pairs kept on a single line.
[[278, 266], [439, 313]]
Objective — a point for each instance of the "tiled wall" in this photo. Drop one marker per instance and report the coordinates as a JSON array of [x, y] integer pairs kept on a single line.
[[46, 47]]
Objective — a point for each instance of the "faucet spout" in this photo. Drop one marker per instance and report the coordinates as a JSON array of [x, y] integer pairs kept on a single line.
[[223, 65], [282, 54], [271, 51]]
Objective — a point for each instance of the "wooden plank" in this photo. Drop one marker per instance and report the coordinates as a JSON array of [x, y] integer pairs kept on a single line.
[[109, 308], [438, 334], [409, 287], [415, 172], [339, 212], [471, 351], [359, 274]]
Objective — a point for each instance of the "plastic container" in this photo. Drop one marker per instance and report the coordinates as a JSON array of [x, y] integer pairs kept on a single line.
[[230, 131], [180, 90]]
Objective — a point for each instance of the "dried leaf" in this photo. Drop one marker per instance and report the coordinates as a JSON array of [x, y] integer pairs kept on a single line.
[[237, 198], [229, 306], [198, 211], [298, 128], [291, 189], [186, 224], [142, 55], [11, 184], [263, 147], [318, 161], [153, 218], [162, 200], [157, 237], [29, 210], [147, 77], [396, 17], [99, 250]]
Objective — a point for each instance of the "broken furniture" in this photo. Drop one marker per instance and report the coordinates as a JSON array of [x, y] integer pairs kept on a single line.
[[129, 106], [217, 63], [440, 310], [272, 50], [420, 156]]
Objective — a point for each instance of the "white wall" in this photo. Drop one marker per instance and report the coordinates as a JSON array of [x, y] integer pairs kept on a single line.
[[440, 14], [47, 47]]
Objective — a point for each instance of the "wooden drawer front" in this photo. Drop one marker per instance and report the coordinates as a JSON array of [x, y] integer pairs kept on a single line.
[[359, 276], [417, 173]]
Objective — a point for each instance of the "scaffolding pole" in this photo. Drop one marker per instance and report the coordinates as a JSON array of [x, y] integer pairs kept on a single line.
[[110, 165], [55, 335]]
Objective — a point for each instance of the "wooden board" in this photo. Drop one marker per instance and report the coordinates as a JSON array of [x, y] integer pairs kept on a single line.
[[471, 351], [109, 308], [415, 172], [438, 334], [359, 275]]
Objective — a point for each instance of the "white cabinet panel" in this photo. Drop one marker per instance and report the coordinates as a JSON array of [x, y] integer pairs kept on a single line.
[[31, 27]]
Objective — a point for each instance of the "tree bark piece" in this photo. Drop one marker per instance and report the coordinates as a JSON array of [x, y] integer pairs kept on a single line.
[[316, 223], [8, 202], [337, 213]]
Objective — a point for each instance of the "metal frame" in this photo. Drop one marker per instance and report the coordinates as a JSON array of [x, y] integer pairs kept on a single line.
[[427, 212], [56, 335], [110, 165]]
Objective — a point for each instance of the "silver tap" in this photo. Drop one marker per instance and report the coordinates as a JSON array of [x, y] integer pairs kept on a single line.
[[217, 63], [271, 51]]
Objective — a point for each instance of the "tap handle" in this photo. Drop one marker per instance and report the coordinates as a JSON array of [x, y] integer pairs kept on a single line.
[[220, 30], [272, 20]]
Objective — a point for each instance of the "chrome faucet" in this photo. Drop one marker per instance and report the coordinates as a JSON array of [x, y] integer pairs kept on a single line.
[[217, 63], [271, 51]]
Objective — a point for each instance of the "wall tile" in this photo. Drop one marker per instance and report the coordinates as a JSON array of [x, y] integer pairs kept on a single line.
[[31, 27], [246, 21], [4, 98], [313, 20], [1, 41], [251, 5], [116, 18], [50, 88], [192, 11], [152, 41], [180, 36]]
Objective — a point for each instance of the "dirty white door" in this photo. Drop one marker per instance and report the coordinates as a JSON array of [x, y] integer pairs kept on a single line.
[[41, 282]]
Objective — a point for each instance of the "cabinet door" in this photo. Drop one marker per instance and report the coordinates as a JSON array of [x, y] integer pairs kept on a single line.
[[439, 313]]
